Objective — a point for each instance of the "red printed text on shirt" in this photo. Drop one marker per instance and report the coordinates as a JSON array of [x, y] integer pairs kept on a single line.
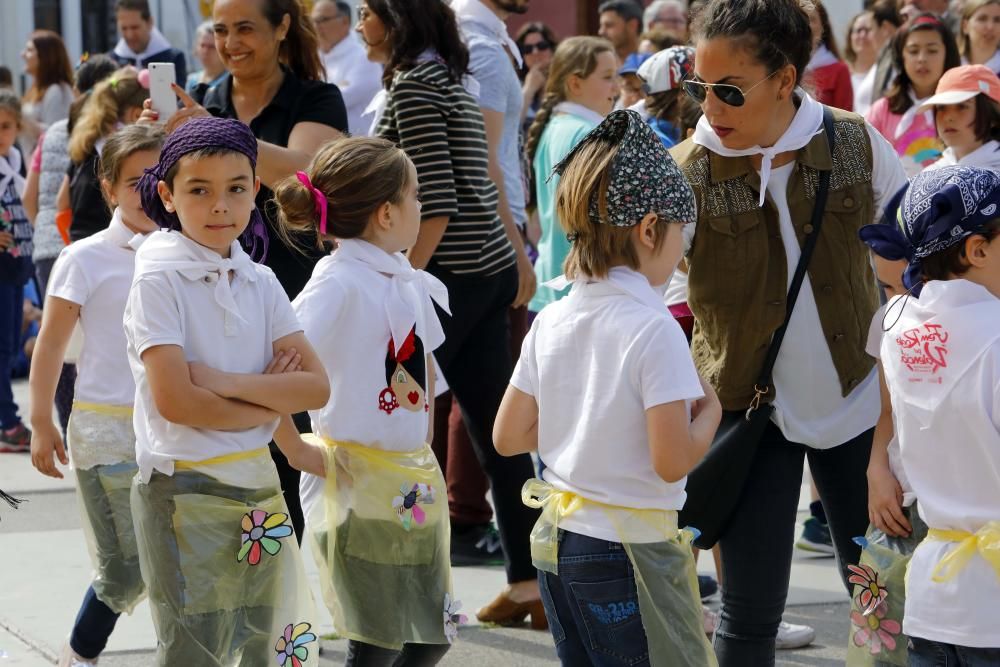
[[924, 350]]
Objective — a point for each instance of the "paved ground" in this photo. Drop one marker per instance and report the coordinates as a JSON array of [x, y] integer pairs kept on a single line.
[[46, 571]]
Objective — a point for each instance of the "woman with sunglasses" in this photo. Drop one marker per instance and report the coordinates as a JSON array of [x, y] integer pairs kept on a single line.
[[754, 164], [537, 43]]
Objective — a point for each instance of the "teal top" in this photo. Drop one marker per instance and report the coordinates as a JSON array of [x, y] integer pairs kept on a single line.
[[563, 132]]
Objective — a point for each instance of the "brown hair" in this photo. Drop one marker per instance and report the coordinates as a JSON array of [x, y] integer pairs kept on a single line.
[[951, 262], [971, 7], [899, 94], [300, 48], [53, 64], [357, 175], [576, 55], [105, 107], [141, 6], [596, 248], [10, 102], [827, 39], [666, 105], [121, 145], [660, 38]]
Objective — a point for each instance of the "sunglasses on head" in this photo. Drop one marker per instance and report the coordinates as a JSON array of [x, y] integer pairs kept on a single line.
[[729, 94], [528, 49]]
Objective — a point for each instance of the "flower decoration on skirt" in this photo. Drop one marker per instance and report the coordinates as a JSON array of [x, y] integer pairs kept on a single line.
[[290, 647], [262, 531], [452, 619], [875, 630], [407, 504], [873, 592]]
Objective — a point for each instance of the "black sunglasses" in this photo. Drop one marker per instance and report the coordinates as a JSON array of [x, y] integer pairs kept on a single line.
[[528, 49], [729, 94]]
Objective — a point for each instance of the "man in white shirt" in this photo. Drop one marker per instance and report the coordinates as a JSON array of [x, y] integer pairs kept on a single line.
[[347, 66]]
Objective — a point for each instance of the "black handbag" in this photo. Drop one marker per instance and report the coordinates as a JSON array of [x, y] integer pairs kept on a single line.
[[715, 485]]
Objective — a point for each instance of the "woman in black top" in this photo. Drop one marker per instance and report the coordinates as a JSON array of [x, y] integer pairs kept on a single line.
[[275, 85]]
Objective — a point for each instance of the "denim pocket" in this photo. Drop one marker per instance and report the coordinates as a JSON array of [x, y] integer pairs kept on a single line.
[[610, 611]]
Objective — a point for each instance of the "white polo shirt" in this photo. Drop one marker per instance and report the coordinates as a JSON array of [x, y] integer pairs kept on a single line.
[[942, 365], [95, 273], [182, 307], [595, 361]]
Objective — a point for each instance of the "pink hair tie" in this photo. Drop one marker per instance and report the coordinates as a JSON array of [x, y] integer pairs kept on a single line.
[[318, 197]]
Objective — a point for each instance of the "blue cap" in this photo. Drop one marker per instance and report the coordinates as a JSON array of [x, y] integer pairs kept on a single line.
[[632, 63]]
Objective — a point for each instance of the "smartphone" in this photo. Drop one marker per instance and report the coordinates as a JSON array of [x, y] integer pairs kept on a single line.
[[161, 75]]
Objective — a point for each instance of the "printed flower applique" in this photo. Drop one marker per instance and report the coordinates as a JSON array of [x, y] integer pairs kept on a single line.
[[290, 647], [875, 630], [407, 504], [262, 531], [873, 593], [452, 619]]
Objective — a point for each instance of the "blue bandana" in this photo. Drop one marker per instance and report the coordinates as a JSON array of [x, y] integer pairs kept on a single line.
[[935, 211]]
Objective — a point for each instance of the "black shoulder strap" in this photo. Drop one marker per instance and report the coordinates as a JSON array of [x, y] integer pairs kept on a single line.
[[763, 384]]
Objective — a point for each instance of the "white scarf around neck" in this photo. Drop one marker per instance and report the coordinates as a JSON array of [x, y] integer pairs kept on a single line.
[[474, 11], [157, 43], [583, 112], [407, 287], [821, 57], [166, 250], [10, 170], [626, 280], [986, 156], [807, 123]]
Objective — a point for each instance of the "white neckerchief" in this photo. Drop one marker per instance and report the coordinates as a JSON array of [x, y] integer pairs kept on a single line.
[[10, 170], [630, 282], [986, 156], [821, 57], [381, 100], [157, 43], [405, 283], [910, 115], [583, 112], [120, 235], [474, 11], [807, 123], [172, 251]]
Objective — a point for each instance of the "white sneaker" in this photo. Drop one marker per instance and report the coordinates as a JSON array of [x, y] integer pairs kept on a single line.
[[791, 636], [69, 658]]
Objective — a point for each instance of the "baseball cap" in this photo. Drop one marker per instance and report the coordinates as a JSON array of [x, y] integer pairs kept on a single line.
[[632, 63], [667, 69], [963, 83]]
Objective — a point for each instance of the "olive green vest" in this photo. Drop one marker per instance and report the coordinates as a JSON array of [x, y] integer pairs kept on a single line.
[[738, 273]]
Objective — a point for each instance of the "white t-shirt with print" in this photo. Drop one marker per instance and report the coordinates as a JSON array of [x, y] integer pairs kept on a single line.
[[95, 273], [942, 366], [595, 361], [172, 308], [342, 313]]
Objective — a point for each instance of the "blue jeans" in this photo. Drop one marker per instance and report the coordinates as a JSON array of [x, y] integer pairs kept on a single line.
[[927, 653], [593, 606], [11, 313], [94, 624]]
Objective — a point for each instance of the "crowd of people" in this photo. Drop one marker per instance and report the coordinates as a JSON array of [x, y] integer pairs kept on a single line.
[[437, 294]]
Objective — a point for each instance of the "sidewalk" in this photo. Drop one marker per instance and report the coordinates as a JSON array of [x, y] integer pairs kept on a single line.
[[47, 570]]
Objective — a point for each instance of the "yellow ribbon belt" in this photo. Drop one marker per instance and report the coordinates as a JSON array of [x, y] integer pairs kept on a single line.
[[102, 409], [985, 541], [556, 504], [225, 458]]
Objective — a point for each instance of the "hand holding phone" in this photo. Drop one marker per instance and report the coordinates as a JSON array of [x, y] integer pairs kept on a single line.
[[161, 76]]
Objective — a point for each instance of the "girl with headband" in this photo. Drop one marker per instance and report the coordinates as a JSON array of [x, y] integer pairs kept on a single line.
[[618, 433], [941, 355], [374, 496], [217, 355]]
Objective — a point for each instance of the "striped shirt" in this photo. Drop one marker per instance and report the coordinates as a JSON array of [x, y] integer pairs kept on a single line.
[[441, 128]]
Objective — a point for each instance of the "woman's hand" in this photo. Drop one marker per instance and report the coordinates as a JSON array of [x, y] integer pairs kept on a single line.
[[6, 240], [535, 79], [191, 109], [46, 444], [885, 502]]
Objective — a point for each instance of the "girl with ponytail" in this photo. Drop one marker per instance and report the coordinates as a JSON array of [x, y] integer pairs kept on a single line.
[[580, 91]]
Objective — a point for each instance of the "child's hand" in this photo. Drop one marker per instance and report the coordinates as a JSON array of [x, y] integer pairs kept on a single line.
[[709, 404], [285, 361], [885, 502], [46, 441]]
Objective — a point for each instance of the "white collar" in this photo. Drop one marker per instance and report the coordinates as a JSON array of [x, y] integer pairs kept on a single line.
[[807, 123], [408, 287], [10, 170], [341, 48], [474, 11], [120, 235], [166, 250], [157, 44], [579, 110], [821, 57], [986, 156], [622, 279]]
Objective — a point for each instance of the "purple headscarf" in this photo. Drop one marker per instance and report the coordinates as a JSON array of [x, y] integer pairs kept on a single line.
[[196, 135]]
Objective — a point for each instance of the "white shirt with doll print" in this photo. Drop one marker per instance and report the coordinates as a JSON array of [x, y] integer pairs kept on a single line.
[[96, 273], [180, 297], [595, 361], [942, 366], [873, 346], [349, 308]]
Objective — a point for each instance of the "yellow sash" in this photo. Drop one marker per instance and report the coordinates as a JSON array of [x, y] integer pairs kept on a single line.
[[102, 409], [986, 541], [219, 460]]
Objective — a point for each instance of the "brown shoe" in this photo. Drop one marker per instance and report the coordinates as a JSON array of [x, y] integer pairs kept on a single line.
[[504, 611]]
